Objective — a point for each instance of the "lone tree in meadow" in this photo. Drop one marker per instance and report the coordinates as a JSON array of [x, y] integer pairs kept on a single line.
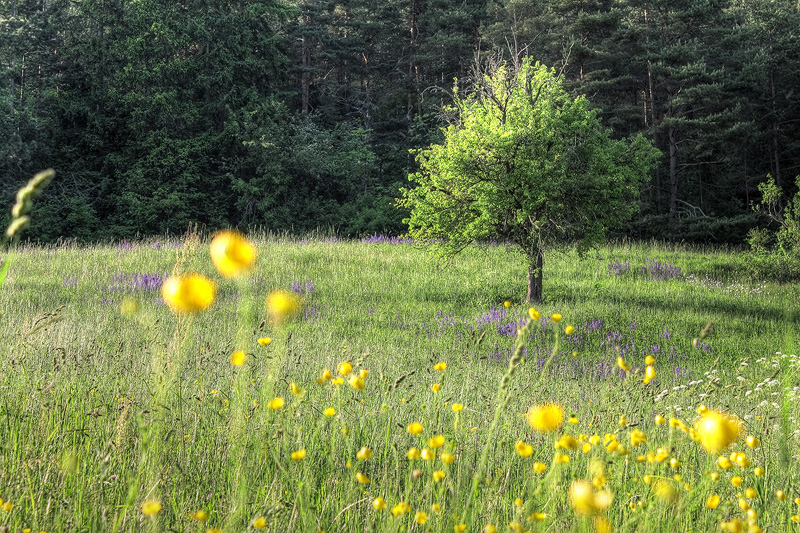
[[524, 162]]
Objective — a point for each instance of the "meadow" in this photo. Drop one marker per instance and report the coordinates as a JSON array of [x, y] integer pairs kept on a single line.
[[402, 397]]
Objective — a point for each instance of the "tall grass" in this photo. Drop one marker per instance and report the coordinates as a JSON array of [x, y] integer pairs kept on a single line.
[[109, 400]]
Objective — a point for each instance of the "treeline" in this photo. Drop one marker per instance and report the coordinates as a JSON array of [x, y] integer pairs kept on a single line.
[[299, 114]]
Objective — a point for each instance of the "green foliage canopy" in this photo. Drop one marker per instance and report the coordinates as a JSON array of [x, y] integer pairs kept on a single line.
[[525, 162]]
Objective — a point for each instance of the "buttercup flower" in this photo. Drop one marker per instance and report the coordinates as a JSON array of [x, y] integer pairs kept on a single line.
[[546, 417], [260, 522], [151, 507], [298, 455], [263, 341], [189, 293], [716, 430], [238, 358], [440, 366], [283, 305], [232, 254], [379, 504], [415, 428]]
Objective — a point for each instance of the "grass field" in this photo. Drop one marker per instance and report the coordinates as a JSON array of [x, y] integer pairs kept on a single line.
[[117, 415]]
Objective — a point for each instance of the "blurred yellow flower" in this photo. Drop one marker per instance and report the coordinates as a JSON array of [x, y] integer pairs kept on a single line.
[[649, 360], [539, 468], [189, 293], [329, 412], [263, 341], [723, 462], [660, 420], [283, 305], [298, 455], [379, 504], [438, 475], [569, 330], [523, 450], [436, 442], [534, 314], [561, 458], [344, 368], [622, 364], [518, 502], [758, 472], [457, 407], [713, 501], [440, 366], [232, 254], [363, 454], [567, 442], [260, 522], [460, 528], [581, 496], [750, 492], [337, 381], [665, 490], [413, 454], [649, 374], [201, 515], [238, 358], [420, 517], [276, 403], [447, 458], [295, 389], [427, 455], [546, 417], [361, 478], [151, 507], [556, 318], [490, 528], [638, 437], [436, 387], [363, 373], [780, 495], [717, 430], [8, 506], [400, 509], [415, 428], [752, 442], [357, 382]]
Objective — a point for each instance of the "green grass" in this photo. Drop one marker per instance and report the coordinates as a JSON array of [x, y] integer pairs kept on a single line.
[[100, 411]]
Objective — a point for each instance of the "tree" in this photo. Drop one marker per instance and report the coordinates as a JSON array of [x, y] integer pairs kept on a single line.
[[525, 162]]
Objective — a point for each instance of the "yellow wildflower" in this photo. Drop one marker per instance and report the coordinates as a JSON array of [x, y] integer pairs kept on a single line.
[[539, 468], [534, 314], [649, 374], [459, 528], [238, 358], [427, 454], [438, 475], [232, 254], [363, 373], [440, 366], [758, 472], [581, 496], [361, 478], [400, 509], [561, 458], [379, 504], [447, 458], [344, 368], [298, 455], [329, 412], [190, 293], [713, 501], [363, 454], [752, 442], [649, 360], [357, 382], [638, 437], [546, 417], [556, 318], [436, 442], [201, 515], [283, 305], [660, 420], [151, 507], [260, 522], [569, 330], [276, 403], [567, 442], [524, 450], [264, 341], [436, 387], [413, 454], [456, 407], [415, 428], [716, 430], [420, 517]]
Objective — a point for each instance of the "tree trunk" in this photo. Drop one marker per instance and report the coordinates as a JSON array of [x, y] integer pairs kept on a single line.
[[535, 278], [673, 174]]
